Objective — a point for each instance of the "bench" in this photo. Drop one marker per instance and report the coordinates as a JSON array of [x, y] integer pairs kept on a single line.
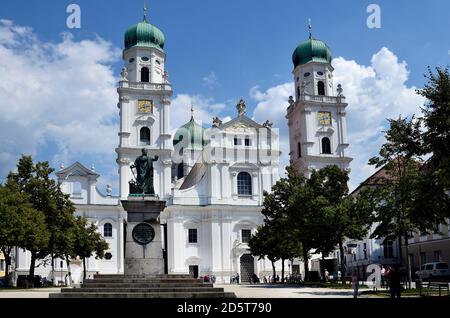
[[432, 286]]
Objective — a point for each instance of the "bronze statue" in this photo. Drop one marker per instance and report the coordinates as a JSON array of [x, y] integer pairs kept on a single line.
[[144, 174]]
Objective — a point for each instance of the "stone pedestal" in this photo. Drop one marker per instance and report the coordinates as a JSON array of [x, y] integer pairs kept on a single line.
[[142, 258]]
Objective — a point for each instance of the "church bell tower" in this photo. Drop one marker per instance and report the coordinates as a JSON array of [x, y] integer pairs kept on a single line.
[[317, 116], [144, 105]]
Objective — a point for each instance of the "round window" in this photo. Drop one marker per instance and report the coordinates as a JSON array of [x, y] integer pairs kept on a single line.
[[307, 74], [320, 73], [108, 256], [158, 62], [145, 59], [131, 60], [143, 233]]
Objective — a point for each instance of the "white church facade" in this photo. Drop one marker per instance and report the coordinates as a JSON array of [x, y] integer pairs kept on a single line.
[[213, 178]]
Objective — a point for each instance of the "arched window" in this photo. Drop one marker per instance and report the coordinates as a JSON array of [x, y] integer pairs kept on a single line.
[[145, 75], [244, 183], [145, 136], [326, 145], [107, 230], [321, 88]]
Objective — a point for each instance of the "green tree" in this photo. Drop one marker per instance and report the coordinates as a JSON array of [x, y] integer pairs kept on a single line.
[[394, 211], [277, 217], [12, 206], [87, 242], [264, 244], [45, 195]]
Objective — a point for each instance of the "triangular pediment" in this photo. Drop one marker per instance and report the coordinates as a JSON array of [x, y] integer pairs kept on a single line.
[[76, 170], [240, 122]]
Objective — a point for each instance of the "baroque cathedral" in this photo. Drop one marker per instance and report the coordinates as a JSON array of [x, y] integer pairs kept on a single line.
[[211, 178]]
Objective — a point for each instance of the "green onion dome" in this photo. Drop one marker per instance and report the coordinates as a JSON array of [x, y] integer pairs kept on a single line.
[[312, 50], [144, 34], [195, 134]]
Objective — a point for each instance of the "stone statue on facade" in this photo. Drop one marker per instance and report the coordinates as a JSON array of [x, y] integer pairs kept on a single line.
[[216, 122], [241, 107], [124, 74], [144, 175]]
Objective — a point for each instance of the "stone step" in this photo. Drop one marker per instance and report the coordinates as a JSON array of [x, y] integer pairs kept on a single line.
[[142, 276], [144, 280], [144, 295], [143, 290], [144, 285]]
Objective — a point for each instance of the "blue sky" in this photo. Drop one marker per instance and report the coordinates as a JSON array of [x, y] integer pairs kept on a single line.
[[218, 51]]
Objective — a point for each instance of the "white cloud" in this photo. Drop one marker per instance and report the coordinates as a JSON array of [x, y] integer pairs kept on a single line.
[[55, 95], [210, 80], [374, 93]]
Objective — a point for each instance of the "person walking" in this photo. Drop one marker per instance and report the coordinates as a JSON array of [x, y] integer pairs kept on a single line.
[[395, 282], [355, 284]]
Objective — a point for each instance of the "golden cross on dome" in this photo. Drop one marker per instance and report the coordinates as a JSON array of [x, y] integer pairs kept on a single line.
[[145, 10], [310, 28]]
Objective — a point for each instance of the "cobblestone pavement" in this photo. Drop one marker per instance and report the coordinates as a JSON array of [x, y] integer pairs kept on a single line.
[[280, 291]]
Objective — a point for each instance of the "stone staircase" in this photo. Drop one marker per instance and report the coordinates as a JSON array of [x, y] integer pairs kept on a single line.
[[140, 286]]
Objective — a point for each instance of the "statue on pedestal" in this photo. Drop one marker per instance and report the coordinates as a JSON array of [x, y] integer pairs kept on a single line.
[[144, 175]]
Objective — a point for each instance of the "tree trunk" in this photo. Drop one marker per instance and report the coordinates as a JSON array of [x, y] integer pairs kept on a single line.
[[84, 269], [400, 250], [53, 270], [282, 270], [408, 263], [305, 260], [69, 271], [274, 271], [32, 266], [342, 264]]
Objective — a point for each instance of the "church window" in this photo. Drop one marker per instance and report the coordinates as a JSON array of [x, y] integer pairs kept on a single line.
[[145, 59], [320, 73], [326, 145], [76, 189], [246, 235], [307, 74], [108, 256], [244, 183], [192, 236], [298, 92], [145, 75], [299, 150], [158, 62], [131, 60], [237, 141], [107, 230], [180, 171], [321, 88], [145, 136], [248, 141]]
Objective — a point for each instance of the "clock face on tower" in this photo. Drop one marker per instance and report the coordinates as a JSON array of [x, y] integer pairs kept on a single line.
[[145, 106], [324, 118]]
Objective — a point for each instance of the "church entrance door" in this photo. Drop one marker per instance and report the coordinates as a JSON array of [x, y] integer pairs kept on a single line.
[[247, 268]]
